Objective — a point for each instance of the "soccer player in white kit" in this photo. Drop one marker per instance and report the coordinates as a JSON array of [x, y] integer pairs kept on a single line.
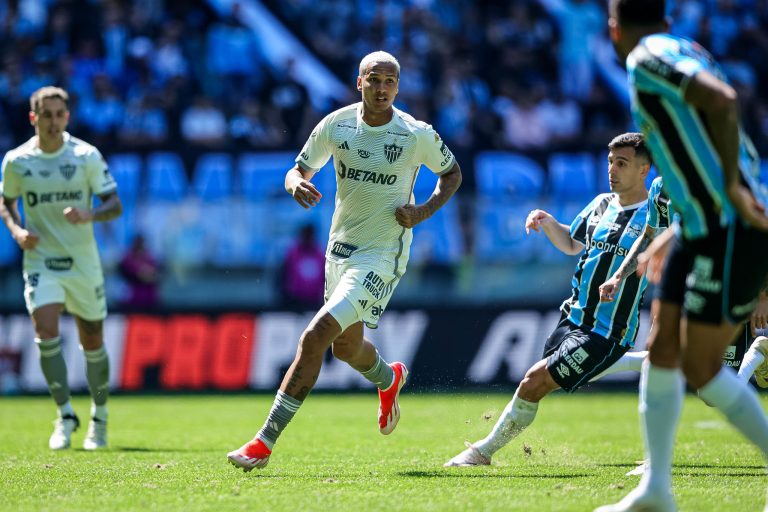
[[56, 176], [377, 152]]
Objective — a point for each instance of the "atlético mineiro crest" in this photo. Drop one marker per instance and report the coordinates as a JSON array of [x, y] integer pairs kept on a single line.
[[68, 170], [392, 152]]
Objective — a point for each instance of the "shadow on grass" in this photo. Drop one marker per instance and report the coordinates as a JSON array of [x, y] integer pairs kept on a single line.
[[462, 473], [682, 466], [138, 449]]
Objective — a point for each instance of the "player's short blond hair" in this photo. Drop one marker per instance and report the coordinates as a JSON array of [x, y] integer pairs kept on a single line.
[[379, 56], [44, 93]]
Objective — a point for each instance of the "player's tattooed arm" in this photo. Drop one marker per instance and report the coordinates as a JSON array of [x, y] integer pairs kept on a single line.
[[409, 215], [609, 288], [110, 208], [629, 265]]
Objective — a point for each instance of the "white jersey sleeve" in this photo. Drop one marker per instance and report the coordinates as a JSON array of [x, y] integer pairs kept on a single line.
[[11, 179], [317, 150], [97, 173], [433, 152]]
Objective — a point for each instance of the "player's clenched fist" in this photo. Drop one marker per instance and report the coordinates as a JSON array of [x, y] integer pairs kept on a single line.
[[536, 219], [26, 239], [77, 216], [409, 215], [306, 194]]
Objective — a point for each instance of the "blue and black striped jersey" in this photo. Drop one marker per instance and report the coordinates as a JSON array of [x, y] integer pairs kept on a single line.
[[659, 206], [608, 231], [660, 68]]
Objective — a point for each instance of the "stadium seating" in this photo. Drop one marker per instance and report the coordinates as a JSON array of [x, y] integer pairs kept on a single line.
[[501, 173], [126, 168], [572, 176], [262, 175], [213, 176], [439, 239], [9, 249], [499, 231], [166, 177]]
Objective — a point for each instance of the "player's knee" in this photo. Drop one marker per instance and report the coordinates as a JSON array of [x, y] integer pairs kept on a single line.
[[664, 351], [313, 342], [698, 371]]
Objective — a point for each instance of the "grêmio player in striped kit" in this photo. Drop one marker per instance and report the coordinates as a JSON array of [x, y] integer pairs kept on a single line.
[[593, 338]]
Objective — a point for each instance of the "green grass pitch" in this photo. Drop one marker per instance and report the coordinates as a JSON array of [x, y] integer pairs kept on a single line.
[[168, 453]]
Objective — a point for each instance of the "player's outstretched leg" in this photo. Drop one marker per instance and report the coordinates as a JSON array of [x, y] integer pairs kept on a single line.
[[471, 456], [389, 409]]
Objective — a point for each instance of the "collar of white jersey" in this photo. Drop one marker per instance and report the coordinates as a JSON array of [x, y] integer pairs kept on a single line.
[[366, 126], [39, 152], [615, 200]]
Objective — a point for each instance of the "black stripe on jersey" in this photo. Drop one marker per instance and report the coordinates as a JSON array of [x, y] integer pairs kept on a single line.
[[625, 302], [662, 207], [679, 154], [584, 232], [598, 212], [603, 269], [658, 66]]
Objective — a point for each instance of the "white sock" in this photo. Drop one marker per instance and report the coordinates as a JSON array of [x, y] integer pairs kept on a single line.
[[661, 400], [66, 409], [99, 412], [631, 361], [752, 359], [739, 403], [516, 417]]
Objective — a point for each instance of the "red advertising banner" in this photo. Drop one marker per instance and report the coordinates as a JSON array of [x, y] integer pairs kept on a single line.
[[443, 348]]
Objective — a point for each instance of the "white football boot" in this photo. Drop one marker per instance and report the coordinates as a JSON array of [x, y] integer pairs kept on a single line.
[[96, 438], [469, 457], [63, 427]]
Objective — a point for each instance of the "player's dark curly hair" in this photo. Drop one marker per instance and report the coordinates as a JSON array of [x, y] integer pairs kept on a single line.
[[631, 140], [638, 12]]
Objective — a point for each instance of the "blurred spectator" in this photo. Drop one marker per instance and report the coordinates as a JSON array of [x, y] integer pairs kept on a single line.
[[252, 129], [204, 123], [303, 277], [141, 273]]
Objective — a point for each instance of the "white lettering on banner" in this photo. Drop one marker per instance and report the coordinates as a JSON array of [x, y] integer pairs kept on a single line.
[[276, 338], [511, 336], [399, 335]]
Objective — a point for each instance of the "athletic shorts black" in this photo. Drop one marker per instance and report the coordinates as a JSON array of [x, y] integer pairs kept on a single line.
[[734, 353], [575, 355], [717, 277]]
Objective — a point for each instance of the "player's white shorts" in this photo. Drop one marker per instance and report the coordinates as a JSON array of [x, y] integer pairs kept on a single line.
[[357, 293], [81, 293]]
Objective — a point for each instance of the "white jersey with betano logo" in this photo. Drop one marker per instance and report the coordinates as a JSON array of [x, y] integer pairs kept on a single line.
[[376, 167], [48, 183]]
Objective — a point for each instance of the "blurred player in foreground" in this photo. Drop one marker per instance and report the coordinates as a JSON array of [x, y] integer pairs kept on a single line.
[[716, 265]]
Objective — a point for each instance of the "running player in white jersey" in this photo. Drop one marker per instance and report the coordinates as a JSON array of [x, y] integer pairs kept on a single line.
[[377, 151], [56, 176]]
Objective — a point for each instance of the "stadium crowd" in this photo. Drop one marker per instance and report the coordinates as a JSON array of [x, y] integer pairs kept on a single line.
[[181, 77], [491, 75]]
